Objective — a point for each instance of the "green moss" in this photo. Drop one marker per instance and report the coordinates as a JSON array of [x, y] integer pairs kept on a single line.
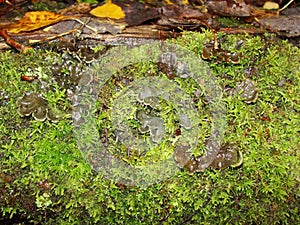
[[47, 6], [45, 178], [232, 22]]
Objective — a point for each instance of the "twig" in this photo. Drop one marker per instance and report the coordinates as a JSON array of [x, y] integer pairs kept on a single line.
[[52, 37], [10, 41], [5, 1], [284, 7], [84, 24], [243, 30]]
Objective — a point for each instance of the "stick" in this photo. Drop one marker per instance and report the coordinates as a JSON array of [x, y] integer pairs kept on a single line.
[[284, 7], [10, 41], [52, 37]]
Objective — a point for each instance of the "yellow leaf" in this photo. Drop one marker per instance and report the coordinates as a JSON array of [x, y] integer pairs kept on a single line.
[[35, 20], [108, 10], [168, 2], [270, 5]]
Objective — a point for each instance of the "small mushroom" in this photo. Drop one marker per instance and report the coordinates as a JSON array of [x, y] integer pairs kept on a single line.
[[167, 64], [141, 116], [228, 156], [157, 129], [210, 52], [206, 53], [52, 116], [40, 113], [151, 101], [234, 57], [31, 103]]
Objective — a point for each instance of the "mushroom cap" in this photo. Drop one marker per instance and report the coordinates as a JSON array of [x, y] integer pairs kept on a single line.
[[151, 123]]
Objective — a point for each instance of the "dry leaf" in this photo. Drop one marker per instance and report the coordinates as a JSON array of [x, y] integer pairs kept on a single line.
[[271, 5], [137, 13], [229, 8], [288, 26], [99, 26], [108, 10], [35, 20]]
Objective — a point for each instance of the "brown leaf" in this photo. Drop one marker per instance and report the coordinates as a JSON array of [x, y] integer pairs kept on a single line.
[[137, 13], [229, 8], [288, 26]]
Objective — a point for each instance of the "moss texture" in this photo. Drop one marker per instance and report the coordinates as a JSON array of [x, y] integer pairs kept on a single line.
[[45, 179]]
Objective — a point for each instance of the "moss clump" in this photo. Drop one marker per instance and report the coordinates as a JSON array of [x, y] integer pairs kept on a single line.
[[45, 178]]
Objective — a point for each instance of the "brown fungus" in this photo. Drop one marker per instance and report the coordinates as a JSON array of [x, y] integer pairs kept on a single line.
[[247, 90], [216, 158], [219, 55], [228, 156], [148, 96], [35, 105]]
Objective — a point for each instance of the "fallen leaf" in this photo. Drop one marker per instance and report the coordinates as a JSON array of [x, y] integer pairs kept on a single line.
[[229, 8], [183, 16], [271, 5], [137, 13], [100, 26], [288, 26], [35, 20], [108, 10]]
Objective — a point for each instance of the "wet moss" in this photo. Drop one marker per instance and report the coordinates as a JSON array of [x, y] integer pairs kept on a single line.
[[45, 178]]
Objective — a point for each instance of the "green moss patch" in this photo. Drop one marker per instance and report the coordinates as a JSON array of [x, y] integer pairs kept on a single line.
[[45, 178]]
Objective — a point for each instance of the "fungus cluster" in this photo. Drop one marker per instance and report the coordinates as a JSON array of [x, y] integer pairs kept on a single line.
[[33, 104], [228, 156]]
